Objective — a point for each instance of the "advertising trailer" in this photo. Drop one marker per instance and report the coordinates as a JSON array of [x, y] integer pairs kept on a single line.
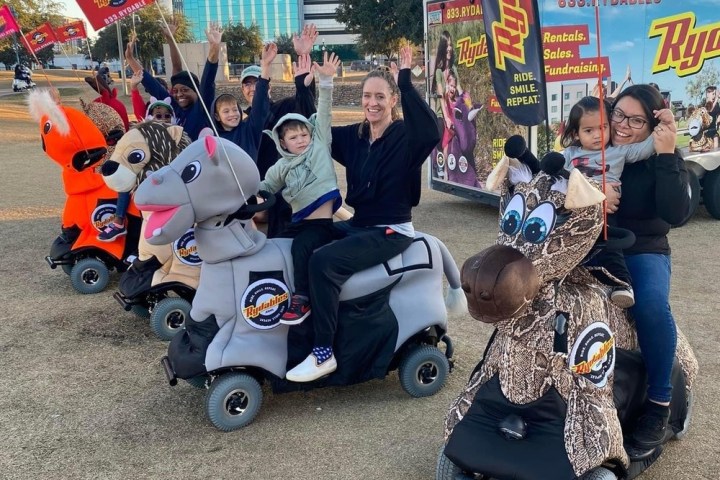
[[587, 46]]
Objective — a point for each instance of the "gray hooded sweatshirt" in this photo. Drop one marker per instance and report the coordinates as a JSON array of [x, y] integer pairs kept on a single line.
[[310, 175]]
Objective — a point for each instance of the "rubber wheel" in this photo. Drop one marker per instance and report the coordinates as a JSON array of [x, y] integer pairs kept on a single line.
[[711, 192], [599, 473], [198, 382], [694, 193], [140, 311], [686, 423], [447, 470], [233, 401], [423, 371], [168, 317], [89, 275]]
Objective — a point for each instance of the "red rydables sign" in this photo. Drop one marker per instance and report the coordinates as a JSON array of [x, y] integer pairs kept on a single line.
[[561, 52], [8, 25], [101, 13], [41, 37]]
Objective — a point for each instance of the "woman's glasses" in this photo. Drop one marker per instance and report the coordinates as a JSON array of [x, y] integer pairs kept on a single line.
[[162, 116], [618, 116]]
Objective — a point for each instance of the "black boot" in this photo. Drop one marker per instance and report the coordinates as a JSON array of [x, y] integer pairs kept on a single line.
[[651, 426]]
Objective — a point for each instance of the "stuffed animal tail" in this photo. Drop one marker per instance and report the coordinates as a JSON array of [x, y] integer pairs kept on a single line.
[[455, 300]]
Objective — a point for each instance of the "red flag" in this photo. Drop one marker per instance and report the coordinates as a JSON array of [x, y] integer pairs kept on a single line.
[[103, 13], [42, 37], [8, 24], [71, 31]]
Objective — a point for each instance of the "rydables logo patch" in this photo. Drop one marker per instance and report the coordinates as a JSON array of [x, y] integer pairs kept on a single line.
[[593, 354], [103, 214], [264, 302], [185, 249]]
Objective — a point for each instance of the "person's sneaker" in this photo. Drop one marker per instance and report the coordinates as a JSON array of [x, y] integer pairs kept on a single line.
[[299, 310], [310, 369], [623, 297], [111, 232], [651, 426]]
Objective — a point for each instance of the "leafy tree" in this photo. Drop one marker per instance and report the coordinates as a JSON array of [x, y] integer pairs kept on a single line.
[[284, 43], [243, 43], [149, 34], [383, 25], [697, 84], [30, 14]]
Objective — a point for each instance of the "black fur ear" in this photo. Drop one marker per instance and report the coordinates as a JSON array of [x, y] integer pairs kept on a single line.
[[553, 163], [515, 147]]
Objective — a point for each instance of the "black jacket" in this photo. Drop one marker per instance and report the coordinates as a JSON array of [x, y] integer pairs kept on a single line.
[[249, 133], [384, 178], [654, 197]]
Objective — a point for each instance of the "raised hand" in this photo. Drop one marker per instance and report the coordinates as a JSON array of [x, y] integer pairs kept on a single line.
[[304, 42], [269, 52], [406, 57], [303, 65], [331, 62], [130, 50], [136, 79], [214, 33], [168, 29]]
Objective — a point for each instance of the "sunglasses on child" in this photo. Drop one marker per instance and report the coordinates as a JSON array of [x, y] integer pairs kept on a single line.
[[162, 116]]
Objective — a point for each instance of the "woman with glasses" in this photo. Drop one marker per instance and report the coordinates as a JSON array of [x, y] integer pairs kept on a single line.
[[654, 197], [586, 142]]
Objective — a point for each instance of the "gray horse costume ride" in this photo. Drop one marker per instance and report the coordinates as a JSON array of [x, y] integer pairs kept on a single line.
[[391, 316], [561, 379]]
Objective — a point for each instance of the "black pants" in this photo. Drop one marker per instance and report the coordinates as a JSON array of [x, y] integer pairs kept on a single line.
[[612, 260], [331, 266], [308, 236], [279, 216]]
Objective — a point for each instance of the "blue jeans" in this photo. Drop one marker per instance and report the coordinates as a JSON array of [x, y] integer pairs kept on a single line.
[[121, 207], [655, 324]]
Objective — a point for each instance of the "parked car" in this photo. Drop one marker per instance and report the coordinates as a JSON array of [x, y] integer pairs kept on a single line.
[[361, 65]]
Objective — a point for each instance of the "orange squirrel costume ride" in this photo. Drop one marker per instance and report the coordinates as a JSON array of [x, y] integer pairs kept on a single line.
[[75, 143]]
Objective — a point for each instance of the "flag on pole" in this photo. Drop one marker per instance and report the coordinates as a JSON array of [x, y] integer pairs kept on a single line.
[[42, 37], [71, 31], [8, 24], [104, 13], [515, 52]]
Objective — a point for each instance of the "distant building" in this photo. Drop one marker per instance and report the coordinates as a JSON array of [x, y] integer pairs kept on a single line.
[[274, 17]]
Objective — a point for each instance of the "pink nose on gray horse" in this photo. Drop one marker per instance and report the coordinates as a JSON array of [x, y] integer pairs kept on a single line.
[[498, 282]]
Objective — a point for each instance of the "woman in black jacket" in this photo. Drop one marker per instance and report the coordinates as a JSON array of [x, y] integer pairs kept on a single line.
[[383, 159], [654, 197]]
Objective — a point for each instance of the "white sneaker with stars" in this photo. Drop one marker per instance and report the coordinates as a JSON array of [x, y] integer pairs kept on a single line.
[[309, 369]]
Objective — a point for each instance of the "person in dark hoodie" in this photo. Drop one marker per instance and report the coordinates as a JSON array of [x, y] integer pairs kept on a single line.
[[278, 216], [383, 158], [228, 114], [185, 98]]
